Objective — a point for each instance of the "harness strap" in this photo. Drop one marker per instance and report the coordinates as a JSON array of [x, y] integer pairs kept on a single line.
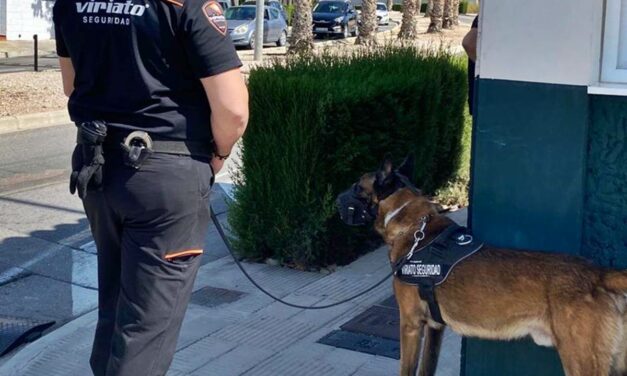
[[427, 292]]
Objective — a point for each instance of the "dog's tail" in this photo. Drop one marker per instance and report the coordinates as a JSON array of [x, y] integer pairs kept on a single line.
[[615, 280]]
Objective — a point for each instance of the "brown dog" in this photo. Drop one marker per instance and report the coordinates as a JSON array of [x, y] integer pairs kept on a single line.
[[501, 294]]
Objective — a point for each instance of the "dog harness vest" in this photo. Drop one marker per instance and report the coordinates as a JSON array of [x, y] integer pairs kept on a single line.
[[431, 265]]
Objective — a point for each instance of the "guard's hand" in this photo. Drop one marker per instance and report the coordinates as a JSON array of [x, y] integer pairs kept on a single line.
[[216, 165]]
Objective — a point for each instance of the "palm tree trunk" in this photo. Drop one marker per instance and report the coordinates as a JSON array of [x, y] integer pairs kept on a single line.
[[301, 41], [368, 26], [456, 13], [447, 19], [390, 5], [436, 17], [429, 7], [409, 25]]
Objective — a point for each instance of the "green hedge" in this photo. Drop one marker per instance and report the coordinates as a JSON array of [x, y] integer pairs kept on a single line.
[[423, 8], [463, 7], [289, 9], [318, 123], [397, 7]]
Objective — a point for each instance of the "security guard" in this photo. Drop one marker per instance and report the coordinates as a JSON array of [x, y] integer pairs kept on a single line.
[[156, 92]]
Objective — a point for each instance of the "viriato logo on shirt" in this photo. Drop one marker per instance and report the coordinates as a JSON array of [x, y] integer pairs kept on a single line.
[[109, 12]]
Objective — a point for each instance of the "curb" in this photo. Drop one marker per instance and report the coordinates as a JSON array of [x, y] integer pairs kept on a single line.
[[33, 121]]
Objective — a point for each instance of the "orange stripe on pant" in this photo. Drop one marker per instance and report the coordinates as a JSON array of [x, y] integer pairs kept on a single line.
[[183, 253]]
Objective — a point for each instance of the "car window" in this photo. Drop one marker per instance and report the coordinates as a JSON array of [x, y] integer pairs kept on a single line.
[[240, 13], [330, 7], [382, 7], [265, 15], [274, 14], [275, 5]]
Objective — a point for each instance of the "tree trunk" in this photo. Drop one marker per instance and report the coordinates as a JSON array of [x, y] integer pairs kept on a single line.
[[436, 17], [301, 41], [429, 7], [447, 17], [390, 5], [409, 26], [368, 25], [456, 13]]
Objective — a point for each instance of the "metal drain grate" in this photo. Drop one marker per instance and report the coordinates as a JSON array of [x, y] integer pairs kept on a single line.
[[214, 296], [376, 321], [363, 343], [16, 330]]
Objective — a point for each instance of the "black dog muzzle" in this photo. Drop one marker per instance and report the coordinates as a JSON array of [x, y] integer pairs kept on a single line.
[[354, 209]]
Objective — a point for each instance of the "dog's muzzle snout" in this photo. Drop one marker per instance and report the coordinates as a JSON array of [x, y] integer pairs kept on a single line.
[[354, 210]]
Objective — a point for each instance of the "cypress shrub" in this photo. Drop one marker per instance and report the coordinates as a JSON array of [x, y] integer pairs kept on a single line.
[[317, 123]]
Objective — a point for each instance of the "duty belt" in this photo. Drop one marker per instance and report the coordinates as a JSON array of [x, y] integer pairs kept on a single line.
[[116, 139]]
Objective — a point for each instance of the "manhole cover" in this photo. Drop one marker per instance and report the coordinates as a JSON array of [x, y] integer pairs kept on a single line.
[[214, 296], [15, 330], [377, 321], [363, 343]]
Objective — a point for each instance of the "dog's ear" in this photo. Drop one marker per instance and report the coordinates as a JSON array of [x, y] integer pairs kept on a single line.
[[407, 167], [386, 169]]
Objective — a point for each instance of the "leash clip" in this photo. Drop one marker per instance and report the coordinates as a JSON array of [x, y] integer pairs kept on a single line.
[[419, 236]]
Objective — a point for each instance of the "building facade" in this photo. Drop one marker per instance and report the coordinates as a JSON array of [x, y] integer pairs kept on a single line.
[[21, 19], [549, 145]]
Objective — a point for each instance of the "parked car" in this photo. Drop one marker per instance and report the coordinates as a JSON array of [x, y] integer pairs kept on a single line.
[[383, 16], [335, 17], [225, 4], [271, 3], [241, 26]]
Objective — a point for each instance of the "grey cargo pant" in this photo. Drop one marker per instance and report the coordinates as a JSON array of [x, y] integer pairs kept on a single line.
[[149, 226]]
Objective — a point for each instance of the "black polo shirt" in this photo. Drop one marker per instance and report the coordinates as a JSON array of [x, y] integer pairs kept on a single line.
[[138, 62]]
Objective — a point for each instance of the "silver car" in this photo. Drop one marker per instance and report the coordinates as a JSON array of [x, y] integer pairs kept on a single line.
[[383, 16], [241, 26]]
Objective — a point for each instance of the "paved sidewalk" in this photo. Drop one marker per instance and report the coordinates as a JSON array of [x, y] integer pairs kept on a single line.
[[233, 329]]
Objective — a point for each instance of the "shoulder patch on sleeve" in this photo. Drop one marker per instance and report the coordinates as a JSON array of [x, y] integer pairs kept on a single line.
[[178, 3], [215, 15]]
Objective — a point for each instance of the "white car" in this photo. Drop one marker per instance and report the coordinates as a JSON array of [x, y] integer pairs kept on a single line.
[[383, 17]]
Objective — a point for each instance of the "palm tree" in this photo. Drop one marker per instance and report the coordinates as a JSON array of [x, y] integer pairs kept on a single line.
[[409, 25], [447, 19], [456, 13], [390, 4], [436, 17], [368, 25], [301, 41], [429, 7]]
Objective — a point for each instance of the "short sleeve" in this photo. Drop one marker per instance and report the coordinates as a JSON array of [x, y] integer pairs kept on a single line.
[[206, 40], [61, 47], [62, 50]]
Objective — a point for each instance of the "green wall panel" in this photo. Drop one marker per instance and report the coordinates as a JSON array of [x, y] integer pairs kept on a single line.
[[605, 225], [529, 158]]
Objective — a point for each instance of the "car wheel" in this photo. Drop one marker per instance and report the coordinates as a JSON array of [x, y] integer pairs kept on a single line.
[[345, 32], [251, 43], [282, 39]]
